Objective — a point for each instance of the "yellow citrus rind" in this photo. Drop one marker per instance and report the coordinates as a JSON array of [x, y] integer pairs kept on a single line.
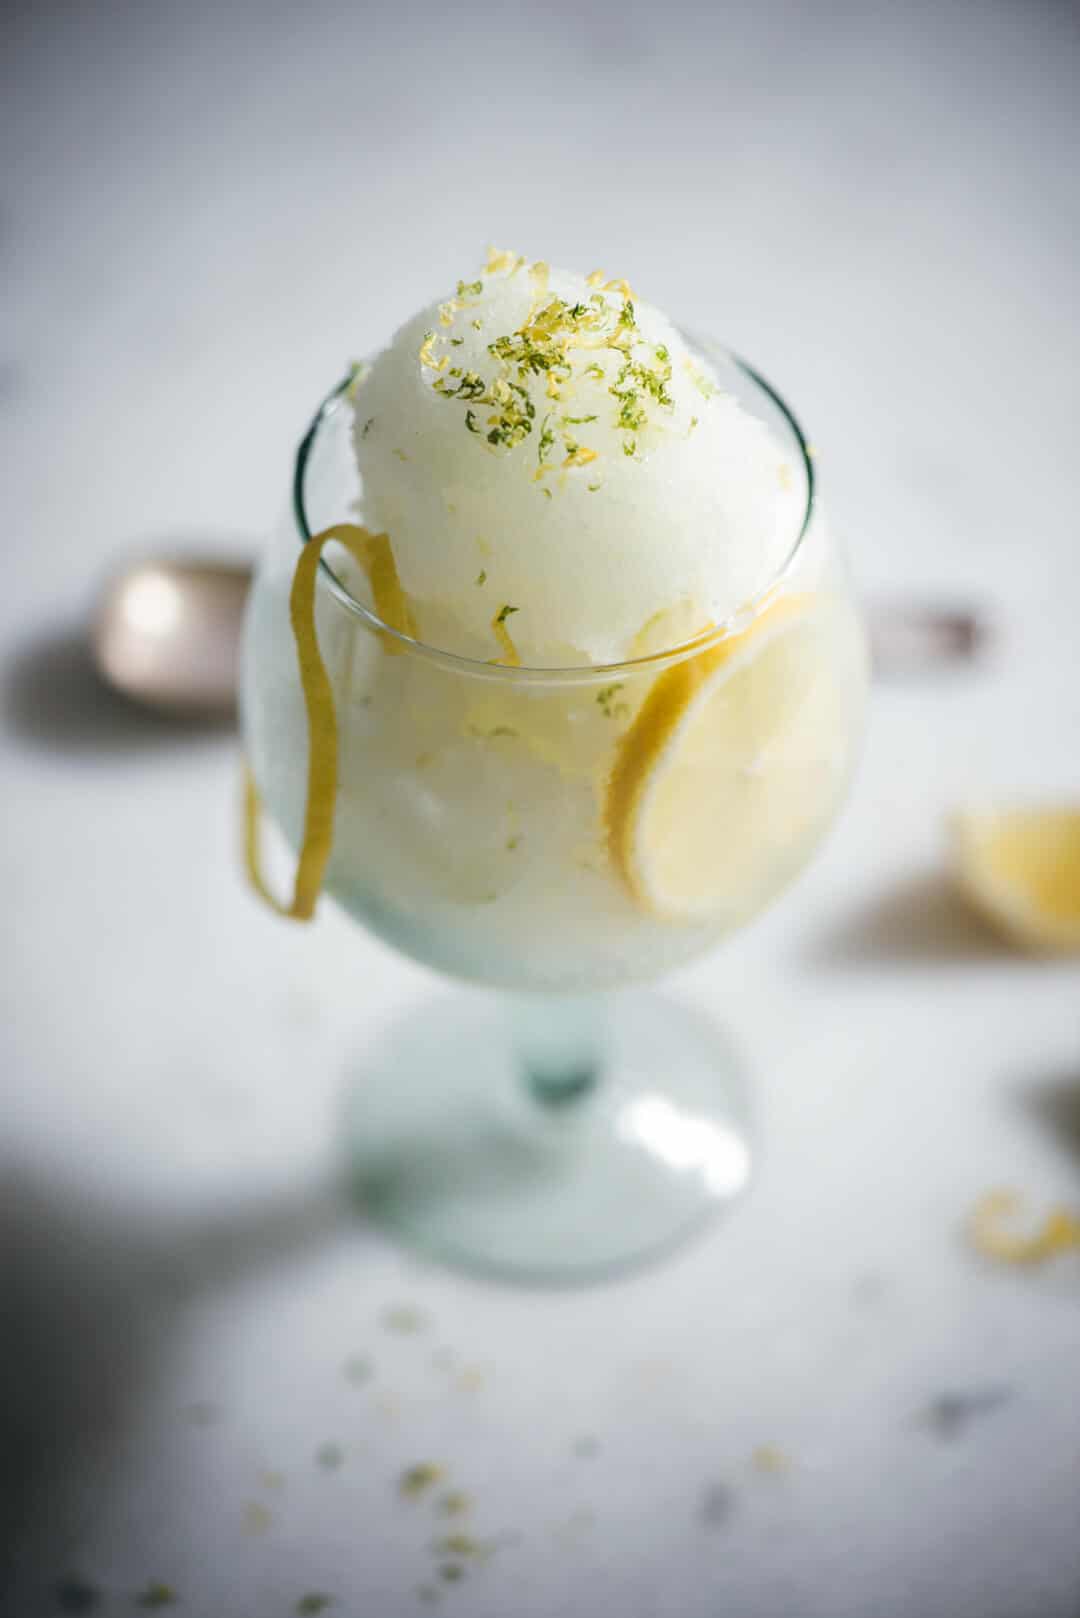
[[653, 741], [374, 554]]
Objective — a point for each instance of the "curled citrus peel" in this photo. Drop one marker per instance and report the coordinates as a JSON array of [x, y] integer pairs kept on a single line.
[[374, 555], [990, 1232]]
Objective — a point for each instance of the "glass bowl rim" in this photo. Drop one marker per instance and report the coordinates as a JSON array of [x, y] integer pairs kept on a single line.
[[584, 673]]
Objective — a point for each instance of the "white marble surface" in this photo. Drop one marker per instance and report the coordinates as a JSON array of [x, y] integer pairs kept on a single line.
[[204, 212]]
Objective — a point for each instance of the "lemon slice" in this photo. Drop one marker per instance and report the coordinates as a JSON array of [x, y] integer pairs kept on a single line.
[[730, 768], [1021, 869]]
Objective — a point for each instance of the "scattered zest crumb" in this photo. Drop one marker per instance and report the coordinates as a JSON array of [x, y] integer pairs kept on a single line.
[[771, 1458], [330, 1456], [403, 1318], [452, 1572], [418, 1479], [455, 1503], [458, 1545], [990, 1235], [605, 699], [481, 577], [471, 1379], [314, 1602], [157, 1595]]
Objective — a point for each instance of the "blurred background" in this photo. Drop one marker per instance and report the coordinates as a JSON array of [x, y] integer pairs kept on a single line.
[[212, 1376]]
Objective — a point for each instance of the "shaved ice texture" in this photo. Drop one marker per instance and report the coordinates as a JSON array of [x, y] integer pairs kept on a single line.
[[546, 442]]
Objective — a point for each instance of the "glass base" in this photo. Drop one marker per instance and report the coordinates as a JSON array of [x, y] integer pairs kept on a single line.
[[460, 1151]]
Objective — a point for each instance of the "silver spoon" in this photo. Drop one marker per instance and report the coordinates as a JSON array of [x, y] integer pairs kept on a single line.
[[167, 634]]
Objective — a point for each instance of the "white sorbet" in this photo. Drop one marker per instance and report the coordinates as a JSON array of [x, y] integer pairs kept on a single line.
[[545, 442]]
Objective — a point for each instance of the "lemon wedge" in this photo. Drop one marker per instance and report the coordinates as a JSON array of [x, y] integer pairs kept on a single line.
[[730, 767], [1021, 869]]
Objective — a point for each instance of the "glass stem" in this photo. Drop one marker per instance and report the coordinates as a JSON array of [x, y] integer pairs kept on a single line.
[[560, 1045]]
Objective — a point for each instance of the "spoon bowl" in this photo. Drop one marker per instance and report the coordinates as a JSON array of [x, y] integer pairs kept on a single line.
[[167, 634]]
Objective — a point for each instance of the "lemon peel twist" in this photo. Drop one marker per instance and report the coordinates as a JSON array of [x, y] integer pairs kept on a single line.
[[374, 554]]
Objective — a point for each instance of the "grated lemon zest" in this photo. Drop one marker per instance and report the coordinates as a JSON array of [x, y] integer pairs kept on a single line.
[[500, 260], [427, 354]]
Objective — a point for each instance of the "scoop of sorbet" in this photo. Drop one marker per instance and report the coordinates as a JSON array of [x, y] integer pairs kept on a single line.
[[544, 444]]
